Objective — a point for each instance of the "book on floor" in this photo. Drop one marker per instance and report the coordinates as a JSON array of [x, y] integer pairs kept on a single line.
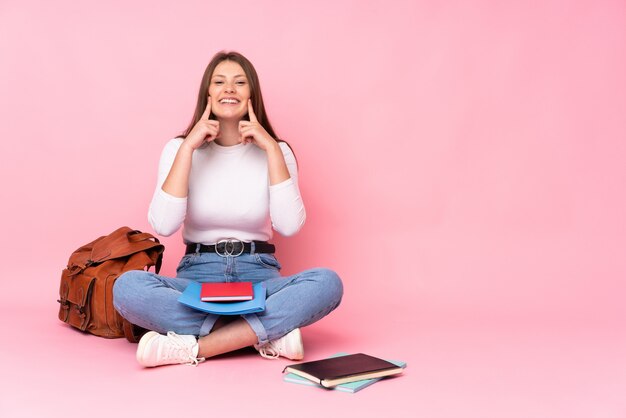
[[226, 292], [191, 298], [335, 371], [350, 387]]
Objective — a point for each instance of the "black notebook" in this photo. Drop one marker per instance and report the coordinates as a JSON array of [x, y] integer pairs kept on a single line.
[[338, 370]]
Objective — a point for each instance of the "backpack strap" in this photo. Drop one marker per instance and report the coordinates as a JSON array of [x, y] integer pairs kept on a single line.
[[137, 236], [132, 332]]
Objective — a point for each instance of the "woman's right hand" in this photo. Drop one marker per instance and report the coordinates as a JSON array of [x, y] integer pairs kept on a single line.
[[205, 130]]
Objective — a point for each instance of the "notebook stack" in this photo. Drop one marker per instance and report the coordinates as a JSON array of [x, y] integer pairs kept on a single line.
[[235, 298], [343, 372]]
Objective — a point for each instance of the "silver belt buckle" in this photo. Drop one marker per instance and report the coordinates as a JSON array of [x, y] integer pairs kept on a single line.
[[231, 245]]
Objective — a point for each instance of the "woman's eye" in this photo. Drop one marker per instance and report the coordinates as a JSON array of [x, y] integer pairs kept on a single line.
[[241, 83]]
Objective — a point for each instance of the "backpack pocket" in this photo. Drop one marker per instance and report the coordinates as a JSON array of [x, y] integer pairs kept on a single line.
[[75, 294]]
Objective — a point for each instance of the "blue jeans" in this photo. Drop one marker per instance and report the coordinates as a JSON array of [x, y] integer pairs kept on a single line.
[[150, 300]]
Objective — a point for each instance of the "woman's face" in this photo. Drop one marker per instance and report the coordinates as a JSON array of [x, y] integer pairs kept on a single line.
[[229, 90]]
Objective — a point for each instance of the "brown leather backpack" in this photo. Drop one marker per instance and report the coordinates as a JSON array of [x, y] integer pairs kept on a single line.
[[87, 283]]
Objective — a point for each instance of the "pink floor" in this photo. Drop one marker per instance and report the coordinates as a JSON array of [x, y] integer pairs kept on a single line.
[[461, 368]]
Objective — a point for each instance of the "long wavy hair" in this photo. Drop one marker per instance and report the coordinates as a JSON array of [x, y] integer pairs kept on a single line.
[[255, 91]]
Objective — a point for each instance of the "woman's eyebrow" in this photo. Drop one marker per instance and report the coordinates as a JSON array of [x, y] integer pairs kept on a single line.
[[220, 75]]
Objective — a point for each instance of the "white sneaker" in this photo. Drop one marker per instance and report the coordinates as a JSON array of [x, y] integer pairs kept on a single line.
[[155, 349], [289, 346]]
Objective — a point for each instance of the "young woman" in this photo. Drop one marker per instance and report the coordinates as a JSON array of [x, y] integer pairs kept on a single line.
[[229, 181]]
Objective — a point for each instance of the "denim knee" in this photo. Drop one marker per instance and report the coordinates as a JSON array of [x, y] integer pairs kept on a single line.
[[330, 282], [123, 287]]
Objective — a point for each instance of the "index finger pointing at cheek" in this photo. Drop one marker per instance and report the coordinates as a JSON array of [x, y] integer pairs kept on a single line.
[[251, 114], [207, 111]]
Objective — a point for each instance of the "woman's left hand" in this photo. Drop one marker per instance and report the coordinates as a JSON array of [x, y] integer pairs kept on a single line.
[[253, 131]]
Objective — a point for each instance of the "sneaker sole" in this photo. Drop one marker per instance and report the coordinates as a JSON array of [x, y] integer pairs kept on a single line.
[[145, 342]]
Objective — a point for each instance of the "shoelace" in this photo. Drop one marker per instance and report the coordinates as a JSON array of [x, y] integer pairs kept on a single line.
[[269, 351], [182, 346]]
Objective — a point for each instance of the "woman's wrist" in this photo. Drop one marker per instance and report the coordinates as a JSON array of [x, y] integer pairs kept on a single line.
[[274, 148], [185, 148], [277, 167]]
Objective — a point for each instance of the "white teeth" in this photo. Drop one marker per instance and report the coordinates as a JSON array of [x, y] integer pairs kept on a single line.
[[232, 101]]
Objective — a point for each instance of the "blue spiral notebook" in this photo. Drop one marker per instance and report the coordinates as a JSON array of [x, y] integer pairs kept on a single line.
[[191, 298]]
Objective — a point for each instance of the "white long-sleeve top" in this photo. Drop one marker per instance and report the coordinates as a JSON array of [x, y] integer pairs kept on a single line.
[[230, 196]]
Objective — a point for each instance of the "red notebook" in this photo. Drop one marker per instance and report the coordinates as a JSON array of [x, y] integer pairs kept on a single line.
[[226, 292]]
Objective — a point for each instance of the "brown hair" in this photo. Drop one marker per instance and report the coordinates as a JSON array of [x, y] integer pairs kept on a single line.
[[255, 91]]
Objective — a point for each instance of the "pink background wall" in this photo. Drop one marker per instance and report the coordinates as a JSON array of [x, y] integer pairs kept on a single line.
[[462, 163]]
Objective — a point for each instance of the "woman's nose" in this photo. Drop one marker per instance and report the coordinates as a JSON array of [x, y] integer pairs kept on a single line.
[[230, 88]]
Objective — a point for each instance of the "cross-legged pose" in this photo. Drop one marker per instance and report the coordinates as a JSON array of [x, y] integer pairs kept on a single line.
[[229, 182]]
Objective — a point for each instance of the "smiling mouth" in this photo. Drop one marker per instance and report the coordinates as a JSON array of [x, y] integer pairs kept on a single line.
[[229, 101]]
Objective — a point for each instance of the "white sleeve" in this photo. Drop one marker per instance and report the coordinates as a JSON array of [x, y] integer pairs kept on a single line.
[[286, 205], [167, 212]]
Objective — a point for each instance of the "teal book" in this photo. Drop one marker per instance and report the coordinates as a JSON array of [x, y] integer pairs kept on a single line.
[[191, 298], [350, 387]]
